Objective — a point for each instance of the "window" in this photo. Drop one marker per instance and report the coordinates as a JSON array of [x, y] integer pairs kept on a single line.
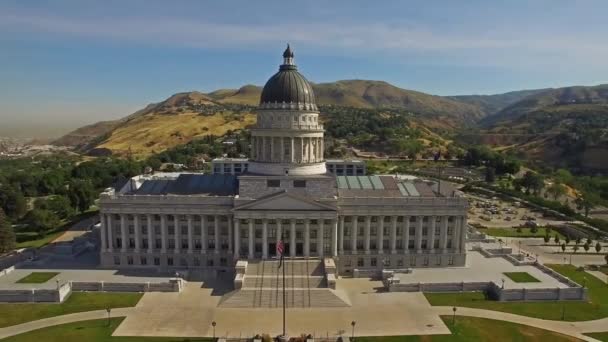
[[374, 262], [360, 262], [299, 183], [143, 260], [116, 260], [197, 261], [273, 183], [130, 260], [156, 261], [170, 261], [399, 262]]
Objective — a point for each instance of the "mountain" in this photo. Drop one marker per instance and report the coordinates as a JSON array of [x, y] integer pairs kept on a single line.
[[563, 127], [492, 104], [368, 94]]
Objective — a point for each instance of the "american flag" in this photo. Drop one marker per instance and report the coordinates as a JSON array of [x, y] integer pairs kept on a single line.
[[280, 250]]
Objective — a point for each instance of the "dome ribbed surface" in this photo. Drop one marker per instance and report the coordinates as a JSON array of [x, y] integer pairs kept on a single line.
[[288, 86]]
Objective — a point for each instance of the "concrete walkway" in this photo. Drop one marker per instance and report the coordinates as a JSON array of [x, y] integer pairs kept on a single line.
[[574, 329], [51, 321]]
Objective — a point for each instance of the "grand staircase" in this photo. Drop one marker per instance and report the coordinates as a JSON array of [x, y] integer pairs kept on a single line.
[[305, 286]]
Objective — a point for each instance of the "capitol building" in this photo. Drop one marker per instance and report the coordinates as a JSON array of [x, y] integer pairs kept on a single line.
[[185, 221]]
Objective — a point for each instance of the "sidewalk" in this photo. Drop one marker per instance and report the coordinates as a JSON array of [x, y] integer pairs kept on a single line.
[[57, 320], [575, 329]]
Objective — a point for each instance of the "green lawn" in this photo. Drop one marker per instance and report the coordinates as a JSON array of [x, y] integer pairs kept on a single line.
[[595, 308], [521, 277], [603, 336], [43, 241], [466, 329], [37, 277], [11, 314], [525, 232], [89, 331]]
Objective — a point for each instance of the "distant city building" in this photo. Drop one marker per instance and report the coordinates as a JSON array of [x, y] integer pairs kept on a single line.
[[286, 191]]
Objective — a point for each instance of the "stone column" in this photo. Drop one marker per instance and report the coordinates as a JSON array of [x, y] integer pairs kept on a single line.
[[462, 222], [110, 229], [341, 236], [250, 248], [406, 234], [265, 239], [163, 233], [311, 151], [252, 150], [334, 238], [419, 234], [368, 220], [380, 237], [216, 226], [279, 230], [102, 232], [293, 158], [271, 149], [177, 234], [150, 233], [230, 240], [292, 238], [282, 149], [353, 237], [431, 240], [443, 241], [320, 238], [393, 235], [237, 238], [204, 238], [307, 238], [137, 228], [190, 235], [123, 232]]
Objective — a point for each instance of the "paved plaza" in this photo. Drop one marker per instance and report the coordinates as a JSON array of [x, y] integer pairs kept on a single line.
[[480, 269], [65, 275], [191, 312]]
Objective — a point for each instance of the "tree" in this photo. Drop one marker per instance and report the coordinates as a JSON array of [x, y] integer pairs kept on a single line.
[[598, 247], [586, 247], [7, 236], [575, 248], [13, 202], [578, 240], [61, 206], [567, 239], [81, 195], [533, 182], [606, 258], [587, 201], [556, 190], [42, 220], [556, 239], [547, 238], [563, 247], [490, 174]]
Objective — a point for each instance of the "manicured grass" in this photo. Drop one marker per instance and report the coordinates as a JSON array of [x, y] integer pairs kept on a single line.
[[11, 314], [479, 329], [466, 329], [521, 277], [525, 232], [596, 307], [37, 277], [43, 241], [603, 336], [90, 331]]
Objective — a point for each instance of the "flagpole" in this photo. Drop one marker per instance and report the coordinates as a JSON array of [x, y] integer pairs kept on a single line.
[[284, 332]]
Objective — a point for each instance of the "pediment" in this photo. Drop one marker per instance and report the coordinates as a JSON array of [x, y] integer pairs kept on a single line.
[[285, 201]]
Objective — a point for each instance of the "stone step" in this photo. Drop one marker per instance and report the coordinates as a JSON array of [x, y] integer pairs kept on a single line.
[[274, 299]]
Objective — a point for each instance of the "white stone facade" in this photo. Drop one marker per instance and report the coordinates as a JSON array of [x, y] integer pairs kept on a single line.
[[210, 221]]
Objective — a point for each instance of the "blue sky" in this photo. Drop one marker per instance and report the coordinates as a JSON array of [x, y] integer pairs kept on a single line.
[[84, 61]]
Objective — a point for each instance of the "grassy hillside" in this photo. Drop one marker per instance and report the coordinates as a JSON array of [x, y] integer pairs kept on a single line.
[[492, 104]]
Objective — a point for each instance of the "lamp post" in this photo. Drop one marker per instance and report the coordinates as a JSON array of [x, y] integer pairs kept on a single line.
[[353, 323], [108, 310], [454, 316], [503, 283], [213, 324]]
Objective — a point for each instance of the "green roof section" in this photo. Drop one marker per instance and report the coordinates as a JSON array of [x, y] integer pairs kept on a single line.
[[403, 190], [342, 184], [365, 182], [353, 182], [411, 189], [376, 182]]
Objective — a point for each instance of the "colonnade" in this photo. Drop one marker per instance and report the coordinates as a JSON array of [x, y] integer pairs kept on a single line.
[[287, 149]]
